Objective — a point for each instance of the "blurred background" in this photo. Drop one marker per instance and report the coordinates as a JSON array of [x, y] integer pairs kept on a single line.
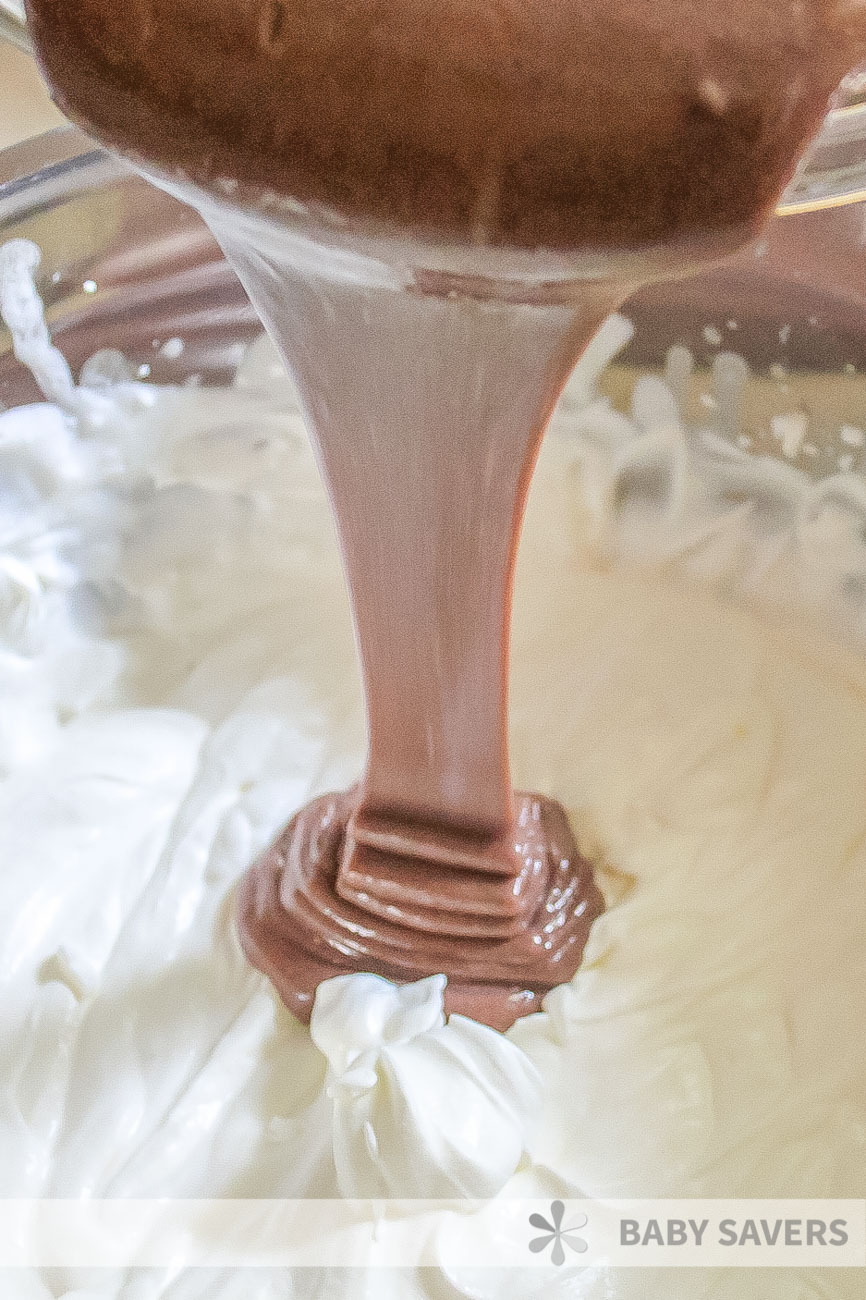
[[25, 108]]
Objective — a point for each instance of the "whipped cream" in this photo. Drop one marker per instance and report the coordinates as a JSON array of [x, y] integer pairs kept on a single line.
[[166, 709], [421, 1107]]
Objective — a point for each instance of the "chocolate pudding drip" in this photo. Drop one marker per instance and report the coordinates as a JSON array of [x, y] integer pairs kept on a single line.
[[427, 412], [433, 208]]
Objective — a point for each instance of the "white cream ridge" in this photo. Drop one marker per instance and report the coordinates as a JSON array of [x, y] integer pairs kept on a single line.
[[177, 673]]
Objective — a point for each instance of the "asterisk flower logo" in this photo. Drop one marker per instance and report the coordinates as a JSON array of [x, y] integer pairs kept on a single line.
[[555, 1234]]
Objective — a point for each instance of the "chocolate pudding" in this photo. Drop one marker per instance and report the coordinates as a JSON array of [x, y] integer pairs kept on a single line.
[[584, 122], [393, 187]]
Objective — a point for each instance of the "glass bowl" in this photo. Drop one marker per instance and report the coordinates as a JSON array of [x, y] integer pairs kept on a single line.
[[121, 262], [125, 265]]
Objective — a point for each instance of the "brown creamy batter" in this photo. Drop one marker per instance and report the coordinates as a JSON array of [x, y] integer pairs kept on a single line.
[[661, 129]]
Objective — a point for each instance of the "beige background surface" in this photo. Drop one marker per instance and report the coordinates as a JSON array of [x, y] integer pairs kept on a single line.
[[25, 108]]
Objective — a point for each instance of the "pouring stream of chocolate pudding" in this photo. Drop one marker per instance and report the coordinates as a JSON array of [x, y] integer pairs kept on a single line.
[[433, 208], [427, 412]]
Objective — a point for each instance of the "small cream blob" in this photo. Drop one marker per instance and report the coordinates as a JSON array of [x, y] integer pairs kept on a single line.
[[421, 1107]]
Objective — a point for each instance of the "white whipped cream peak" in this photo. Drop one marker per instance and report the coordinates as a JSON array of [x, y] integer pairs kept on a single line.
[[356, 1015], [421, 1106]]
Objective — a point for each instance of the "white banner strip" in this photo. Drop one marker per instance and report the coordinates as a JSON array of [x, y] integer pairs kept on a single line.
[[555, 1235]]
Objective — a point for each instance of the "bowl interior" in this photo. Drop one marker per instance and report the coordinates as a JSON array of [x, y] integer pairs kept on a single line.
[[126, 266]]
